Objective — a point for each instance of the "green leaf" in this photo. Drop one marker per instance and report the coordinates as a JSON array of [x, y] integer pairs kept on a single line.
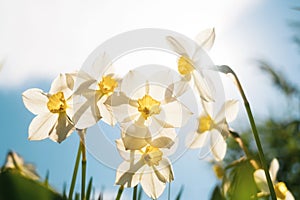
[[89, 189], [240, 184], [217, 195], [179, 193], [14, 186]]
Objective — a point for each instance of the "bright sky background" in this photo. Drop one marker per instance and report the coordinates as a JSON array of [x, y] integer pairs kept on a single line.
[[39, 39]]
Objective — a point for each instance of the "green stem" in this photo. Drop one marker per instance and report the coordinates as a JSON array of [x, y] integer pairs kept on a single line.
[[227, 70], [83, 170], [75, 173], [169, 191], [134, 193], [120, 191]]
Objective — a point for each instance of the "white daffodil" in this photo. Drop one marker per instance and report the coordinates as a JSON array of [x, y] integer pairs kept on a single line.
[[147, 166], [145, 112], [213, 128], [191, 57], [53, 110], [92, 90], [281, 190], [16, 162]]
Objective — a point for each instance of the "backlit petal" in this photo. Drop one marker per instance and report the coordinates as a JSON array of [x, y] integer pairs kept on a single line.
[[261, 181], [35, 100], [127, 176], [196, 140], [218, 145], [151, 185], [289, 196], [61, 84], [274, 167], [229, 110], [205, 39], [42, 125], [62, 129], [174, 113]]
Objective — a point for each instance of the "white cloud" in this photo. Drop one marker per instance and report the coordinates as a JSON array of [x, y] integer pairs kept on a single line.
[[40, 39]]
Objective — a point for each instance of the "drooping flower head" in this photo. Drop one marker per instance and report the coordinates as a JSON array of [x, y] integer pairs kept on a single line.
[[281, 189], [213, 128], [53, 109], [148, 166], [16, 162]]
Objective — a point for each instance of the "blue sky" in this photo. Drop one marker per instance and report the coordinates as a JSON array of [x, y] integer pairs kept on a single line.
[[35, 50]]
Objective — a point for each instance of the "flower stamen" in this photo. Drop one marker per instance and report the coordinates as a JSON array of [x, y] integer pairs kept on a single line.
[[107, 85], [57, 103], [152, 156], [148, 106], [205, 124], [185, 65]]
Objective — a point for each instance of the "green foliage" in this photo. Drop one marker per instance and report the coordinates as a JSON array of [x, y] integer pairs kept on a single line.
[[14, 186], [238, 182], [179, 193]]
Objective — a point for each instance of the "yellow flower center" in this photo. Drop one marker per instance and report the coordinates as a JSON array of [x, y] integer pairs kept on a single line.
[[57, 103], [281, 190], [152, 156], [185, 65], [205, 124], [148, 106], [107, 85]]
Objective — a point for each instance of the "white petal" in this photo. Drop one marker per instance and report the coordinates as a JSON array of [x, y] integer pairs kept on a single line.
[[106, 113], [86, 111], [62, 129], [274, 167], [151, 185], [261, 181], [174, 113], [35, 100], [196, 140], [218, 145], [176, 45], [61, 84], [164, 169], [162, 142], [42, 125], [289, 196], [202, 85], [132, 82], [205, 39], [135, 137], [101, 65], [230, 110], [126, 176]]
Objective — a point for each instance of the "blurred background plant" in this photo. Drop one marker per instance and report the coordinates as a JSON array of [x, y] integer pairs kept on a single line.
[[280, 136]]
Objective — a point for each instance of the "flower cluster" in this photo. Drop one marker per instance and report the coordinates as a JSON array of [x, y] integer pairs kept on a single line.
[[147, 108]]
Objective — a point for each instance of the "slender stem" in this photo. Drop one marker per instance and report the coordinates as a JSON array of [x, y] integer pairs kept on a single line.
[[169, 191], [120, 191], [74, 173], [134, 197], [227, 70], [83, 170]]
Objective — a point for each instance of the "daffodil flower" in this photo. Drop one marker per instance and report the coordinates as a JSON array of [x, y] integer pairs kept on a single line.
[[281, 190], [144, 112], [191, 57], [147, 166], [16, 162], [213, 128], [92, 90], [53, 110]]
